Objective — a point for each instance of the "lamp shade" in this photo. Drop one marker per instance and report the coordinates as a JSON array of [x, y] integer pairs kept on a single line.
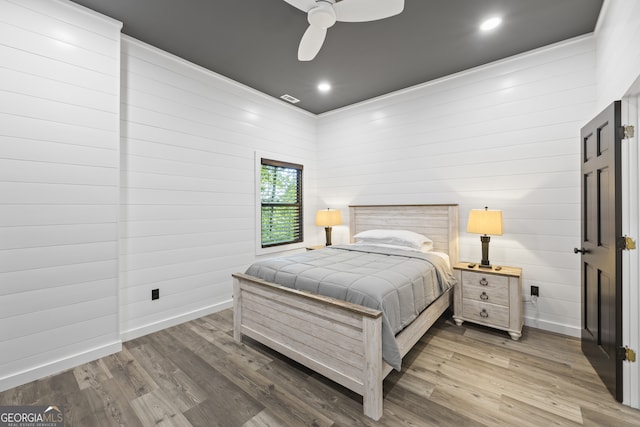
[[328, 217], [485, 221]]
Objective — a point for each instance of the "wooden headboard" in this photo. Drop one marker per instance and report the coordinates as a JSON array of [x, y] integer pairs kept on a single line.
[[437, 222]]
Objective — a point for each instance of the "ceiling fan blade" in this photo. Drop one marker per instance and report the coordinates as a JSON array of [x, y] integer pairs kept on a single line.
[[311, 43], [303, 5], [366, 10]]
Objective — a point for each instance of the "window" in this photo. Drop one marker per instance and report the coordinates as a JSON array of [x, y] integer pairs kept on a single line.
[[281, 203]]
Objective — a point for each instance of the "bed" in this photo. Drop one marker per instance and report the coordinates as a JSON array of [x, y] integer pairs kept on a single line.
[[301, 325]]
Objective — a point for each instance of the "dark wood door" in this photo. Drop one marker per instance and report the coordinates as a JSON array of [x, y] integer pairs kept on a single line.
[[601, 252]]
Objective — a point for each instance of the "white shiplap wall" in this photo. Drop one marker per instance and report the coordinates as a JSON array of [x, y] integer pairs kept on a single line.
[[59, 126], [187, 194], [505, 135], [618, 57]]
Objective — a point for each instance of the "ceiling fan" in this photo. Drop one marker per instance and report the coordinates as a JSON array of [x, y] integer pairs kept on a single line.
[[322, 14]]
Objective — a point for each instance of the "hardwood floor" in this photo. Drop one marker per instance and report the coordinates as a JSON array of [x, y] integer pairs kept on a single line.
[[194, 374]]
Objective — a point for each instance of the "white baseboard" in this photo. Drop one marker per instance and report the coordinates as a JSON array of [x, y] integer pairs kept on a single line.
[[58, 366], [570, 330], [173, 321]]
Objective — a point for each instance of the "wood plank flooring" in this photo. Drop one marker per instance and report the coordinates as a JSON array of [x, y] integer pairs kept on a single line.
[[194, 374]]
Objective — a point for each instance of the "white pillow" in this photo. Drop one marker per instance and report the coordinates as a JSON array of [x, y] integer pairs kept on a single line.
[[393, 237], [426, 247]]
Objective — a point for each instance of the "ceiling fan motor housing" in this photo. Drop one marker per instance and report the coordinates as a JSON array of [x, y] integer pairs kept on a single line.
[[322, 16]]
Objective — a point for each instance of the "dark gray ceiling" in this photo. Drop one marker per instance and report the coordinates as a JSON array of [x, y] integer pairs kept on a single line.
[[255, 42]]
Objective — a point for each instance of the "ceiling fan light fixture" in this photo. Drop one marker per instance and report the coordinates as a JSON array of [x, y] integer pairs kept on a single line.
[[322, 16], [491, 23]]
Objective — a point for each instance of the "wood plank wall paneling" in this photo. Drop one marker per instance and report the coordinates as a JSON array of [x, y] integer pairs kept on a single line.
[[187, 183], [504, 136], [59, 127], [618, 36]]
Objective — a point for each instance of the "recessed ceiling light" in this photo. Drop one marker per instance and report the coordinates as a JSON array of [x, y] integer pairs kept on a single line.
[[491, 23], [324, 87]]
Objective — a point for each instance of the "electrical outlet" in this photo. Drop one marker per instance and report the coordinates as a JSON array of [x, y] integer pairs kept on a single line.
[[155, 294], [535, 291]]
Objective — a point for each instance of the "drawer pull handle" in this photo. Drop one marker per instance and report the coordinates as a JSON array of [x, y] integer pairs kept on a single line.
[[484, 296], [484, 313], [484, 282]]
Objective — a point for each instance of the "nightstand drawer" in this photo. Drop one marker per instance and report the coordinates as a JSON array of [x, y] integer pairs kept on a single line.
[[485, 280], [491, 293], [488, 314]]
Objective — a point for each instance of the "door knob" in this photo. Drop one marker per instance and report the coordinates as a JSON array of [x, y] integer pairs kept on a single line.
[[582, 251]]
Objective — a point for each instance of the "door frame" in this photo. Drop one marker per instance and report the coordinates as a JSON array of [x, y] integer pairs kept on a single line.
[[631, 259]]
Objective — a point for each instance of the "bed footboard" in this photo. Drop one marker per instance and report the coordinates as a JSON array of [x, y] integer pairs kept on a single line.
[[338, 339]]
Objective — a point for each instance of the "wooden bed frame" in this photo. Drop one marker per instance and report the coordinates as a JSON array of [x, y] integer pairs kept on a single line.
[[338, 339]]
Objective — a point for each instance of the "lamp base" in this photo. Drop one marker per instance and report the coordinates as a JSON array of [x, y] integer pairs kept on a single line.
[[485, 252], [327, 232]]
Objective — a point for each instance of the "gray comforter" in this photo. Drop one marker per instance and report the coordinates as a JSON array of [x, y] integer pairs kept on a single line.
[[397, 282]]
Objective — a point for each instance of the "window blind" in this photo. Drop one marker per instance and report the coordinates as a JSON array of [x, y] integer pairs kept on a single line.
[[281, 200]]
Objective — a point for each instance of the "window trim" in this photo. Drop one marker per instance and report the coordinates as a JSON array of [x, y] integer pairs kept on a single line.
[[284, 161]]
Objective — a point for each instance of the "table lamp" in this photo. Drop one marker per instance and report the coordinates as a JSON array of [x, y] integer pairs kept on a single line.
[[327, 218], [485, 222]]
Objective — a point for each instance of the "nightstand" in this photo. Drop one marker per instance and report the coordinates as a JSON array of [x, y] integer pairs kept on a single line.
[[313, 248], [489, 297]]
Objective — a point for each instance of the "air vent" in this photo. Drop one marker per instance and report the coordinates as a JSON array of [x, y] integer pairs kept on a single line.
[[290, 98]]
